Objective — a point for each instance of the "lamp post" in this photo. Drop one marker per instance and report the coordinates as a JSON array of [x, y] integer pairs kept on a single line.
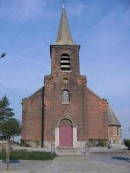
[[7, 155], [2, 55], [7, 146]]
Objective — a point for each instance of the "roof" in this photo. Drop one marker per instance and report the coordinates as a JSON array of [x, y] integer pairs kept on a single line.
[[93, 93], [36, 92], [112, 119], [64, 35]]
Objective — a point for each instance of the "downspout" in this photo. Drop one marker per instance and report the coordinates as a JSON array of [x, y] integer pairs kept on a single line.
[[42, 124]]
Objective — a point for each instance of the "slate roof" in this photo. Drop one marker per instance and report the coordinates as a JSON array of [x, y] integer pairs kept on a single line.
[[64, 35], [112, 119]]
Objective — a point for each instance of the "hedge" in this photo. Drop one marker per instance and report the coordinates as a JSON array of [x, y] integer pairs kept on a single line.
[[27, 155]]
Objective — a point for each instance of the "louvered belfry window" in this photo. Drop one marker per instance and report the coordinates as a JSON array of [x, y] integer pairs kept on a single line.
[[65, 62], [65, 98]]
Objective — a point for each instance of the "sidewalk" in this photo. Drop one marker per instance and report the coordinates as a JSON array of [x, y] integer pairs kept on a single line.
[[115, 148], [91, 150]]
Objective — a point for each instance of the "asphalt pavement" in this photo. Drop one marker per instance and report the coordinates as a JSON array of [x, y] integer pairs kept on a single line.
[[95, 163]]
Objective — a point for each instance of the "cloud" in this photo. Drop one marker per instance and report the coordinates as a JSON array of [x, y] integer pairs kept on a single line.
[[111, 87], [21, 10], [112, 30], [121, 88], [76, 8], [30, 60], [108, 44], [32, 49], [33, 61]]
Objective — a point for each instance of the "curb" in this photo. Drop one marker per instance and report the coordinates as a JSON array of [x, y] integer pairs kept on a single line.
[[15, 172]]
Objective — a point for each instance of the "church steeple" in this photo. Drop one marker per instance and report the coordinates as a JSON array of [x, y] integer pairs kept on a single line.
[[64, 52], [64, 35]]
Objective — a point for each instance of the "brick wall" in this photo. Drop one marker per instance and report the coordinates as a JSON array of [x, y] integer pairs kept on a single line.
[[114, 137], [97, 122], [86, 109], [57, 51], [54, 84], [32, 117]]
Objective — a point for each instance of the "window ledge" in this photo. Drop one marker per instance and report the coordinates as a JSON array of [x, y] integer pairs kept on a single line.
[[65, 103], [65, 70]]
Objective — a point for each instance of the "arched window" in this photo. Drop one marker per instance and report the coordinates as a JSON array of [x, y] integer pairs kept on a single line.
[[65, 62], [65, 97]]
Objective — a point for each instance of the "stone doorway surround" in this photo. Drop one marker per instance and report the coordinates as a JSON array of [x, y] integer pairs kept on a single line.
[[57, 132]]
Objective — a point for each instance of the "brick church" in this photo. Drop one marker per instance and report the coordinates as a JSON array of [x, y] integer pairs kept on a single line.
[[65, 111]]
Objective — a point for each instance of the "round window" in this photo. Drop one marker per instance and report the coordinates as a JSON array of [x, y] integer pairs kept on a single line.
[[65, 80]]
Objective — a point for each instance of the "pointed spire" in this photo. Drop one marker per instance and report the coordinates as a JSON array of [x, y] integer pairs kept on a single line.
[[64, 35]]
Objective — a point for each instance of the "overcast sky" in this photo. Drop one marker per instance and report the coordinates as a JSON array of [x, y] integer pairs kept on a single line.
[[101, 27]]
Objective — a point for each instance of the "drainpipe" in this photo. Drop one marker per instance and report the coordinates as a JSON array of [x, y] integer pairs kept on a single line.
[[42, 124]]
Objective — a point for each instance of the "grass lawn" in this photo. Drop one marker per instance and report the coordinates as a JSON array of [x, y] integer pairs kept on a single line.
[[27, 155]]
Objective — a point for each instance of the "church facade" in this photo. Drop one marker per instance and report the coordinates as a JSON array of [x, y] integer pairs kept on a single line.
[[65, 111]]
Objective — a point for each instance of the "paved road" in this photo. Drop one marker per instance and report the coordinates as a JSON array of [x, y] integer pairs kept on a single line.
[[75, 164]]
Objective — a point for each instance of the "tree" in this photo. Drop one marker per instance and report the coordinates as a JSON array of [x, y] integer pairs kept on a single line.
[[127, 143], [5, 111], [9, 126]]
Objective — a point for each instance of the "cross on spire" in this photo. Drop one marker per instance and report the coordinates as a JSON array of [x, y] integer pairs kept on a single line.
[[63, 3]]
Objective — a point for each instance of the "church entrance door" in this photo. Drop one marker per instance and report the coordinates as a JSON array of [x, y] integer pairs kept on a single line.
[[66, 133]]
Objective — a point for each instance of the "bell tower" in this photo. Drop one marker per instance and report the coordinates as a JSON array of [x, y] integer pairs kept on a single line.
[[64, 52], [65, 91]]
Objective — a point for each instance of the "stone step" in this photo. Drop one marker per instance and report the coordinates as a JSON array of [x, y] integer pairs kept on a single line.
[[68, 152]]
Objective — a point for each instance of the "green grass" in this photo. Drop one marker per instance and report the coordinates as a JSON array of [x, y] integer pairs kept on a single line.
[[28, 155]]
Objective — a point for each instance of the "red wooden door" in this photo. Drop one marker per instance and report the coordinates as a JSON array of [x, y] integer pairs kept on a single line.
[[66, 136]]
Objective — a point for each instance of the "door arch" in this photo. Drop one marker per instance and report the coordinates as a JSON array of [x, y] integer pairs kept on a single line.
[[66, 133]]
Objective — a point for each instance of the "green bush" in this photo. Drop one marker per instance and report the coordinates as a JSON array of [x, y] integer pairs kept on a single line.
[[127, 143], [24, 143], [28, 155], [98, 142], [103, 142]]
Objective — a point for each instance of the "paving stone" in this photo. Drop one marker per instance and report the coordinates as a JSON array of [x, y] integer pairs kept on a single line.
[[14, 171], [107, 162]]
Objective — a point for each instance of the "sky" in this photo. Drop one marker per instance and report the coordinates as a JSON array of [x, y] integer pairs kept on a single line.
[[102, 28]]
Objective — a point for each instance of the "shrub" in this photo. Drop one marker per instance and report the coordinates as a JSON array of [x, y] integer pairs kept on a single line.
[[98, 142], [28, 155], [127, 143], [24, 143]]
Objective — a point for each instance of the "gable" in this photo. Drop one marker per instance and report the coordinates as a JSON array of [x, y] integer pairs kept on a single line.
[[34, 95]]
